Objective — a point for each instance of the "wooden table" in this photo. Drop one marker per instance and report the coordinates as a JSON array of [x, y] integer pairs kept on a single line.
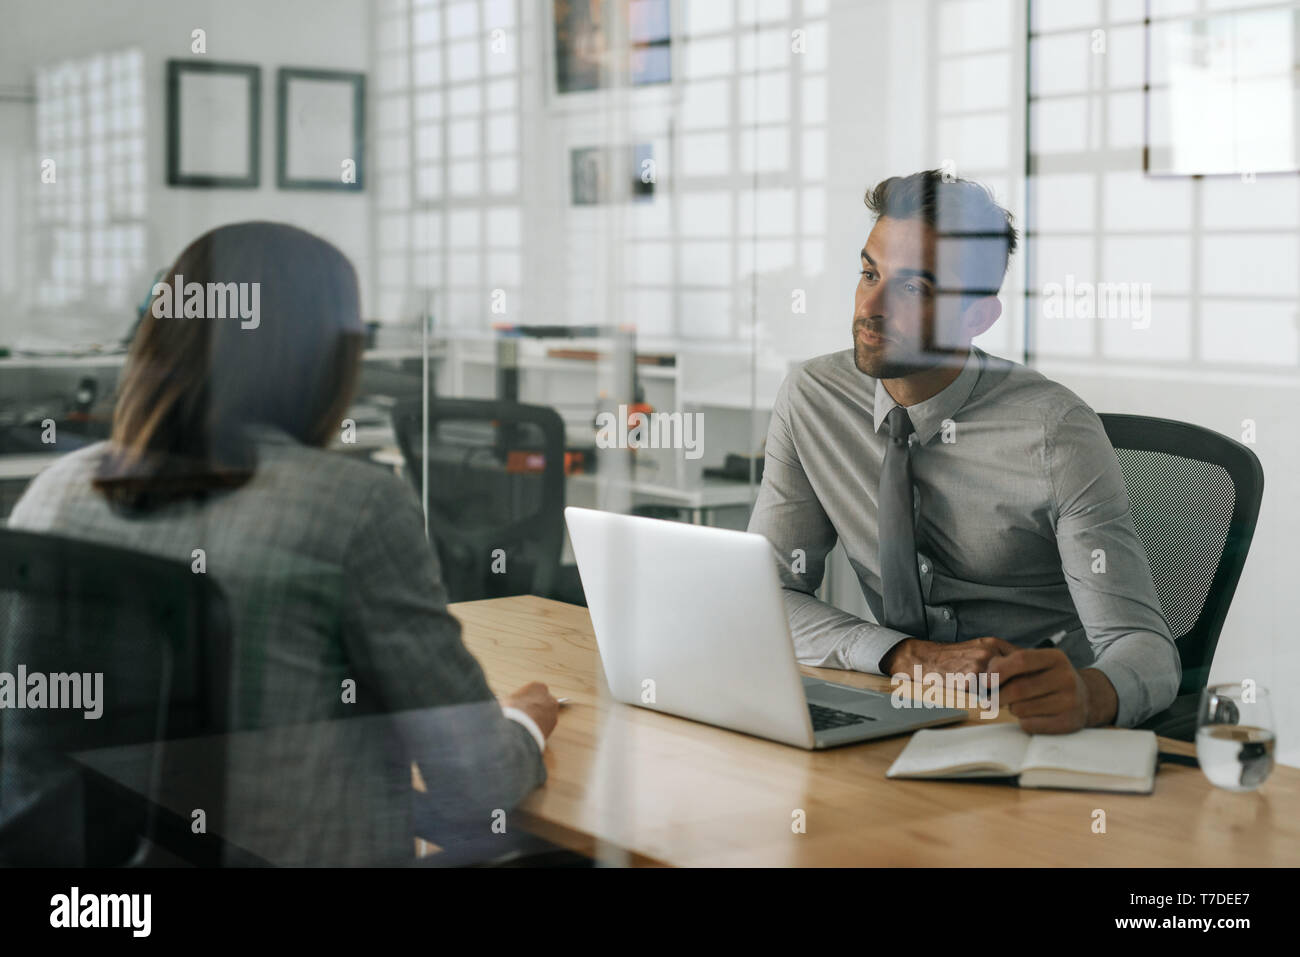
[[633, 786]]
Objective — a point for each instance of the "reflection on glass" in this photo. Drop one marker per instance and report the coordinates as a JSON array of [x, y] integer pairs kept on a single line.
[[1224, 97]]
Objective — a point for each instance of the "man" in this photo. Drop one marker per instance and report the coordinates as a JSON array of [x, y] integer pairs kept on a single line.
[[980, 504]]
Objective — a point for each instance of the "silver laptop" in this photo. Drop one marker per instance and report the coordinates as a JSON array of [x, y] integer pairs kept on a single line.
[[690, 621]]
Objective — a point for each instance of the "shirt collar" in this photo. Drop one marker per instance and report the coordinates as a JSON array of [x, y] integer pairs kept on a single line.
[[928, 416]]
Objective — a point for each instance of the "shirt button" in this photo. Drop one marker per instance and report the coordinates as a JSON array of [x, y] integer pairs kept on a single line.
[[947, 615], [924, 567]]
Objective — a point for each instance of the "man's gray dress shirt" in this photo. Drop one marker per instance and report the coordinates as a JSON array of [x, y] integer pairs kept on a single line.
[[1023, 526]]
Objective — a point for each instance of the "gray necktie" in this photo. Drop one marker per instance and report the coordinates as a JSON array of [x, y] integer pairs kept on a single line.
[[900, 584]]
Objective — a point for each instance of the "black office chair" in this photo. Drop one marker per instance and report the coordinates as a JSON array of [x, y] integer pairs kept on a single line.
[[1195, 497], [496, 494], [160, 636]]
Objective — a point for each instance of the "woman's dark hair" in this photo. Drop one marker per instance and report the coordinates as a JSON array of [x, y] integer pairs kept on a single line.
[[192, 386]]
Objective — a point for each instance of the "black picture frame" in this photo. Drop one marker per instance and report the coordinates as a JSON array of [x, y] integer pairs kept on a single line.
[[179, 177], [285, 76]]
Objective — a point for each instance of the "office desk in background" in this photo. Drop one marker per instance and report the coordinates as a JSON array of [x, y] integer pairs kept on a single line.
[[26, 466], [671, 791], [699, 496]]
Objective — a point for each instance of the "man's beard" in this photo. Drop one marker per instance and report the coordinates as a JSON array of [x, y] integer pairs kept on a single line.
[[885, 368], [881, 366]]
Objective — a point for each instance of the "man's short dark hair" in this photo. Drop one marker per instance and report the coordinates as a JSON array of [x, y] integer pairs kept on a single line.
[[962, 213]]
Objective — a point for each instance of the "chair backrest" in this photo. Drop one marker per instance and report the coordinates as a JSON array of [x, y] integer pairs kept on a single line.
[[1195, 497], [160, 637], [495, 500]]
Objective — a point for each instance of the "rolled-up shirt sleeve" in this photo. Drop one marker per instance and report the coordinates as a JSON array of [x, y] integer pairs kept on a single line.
[[1106, 568], [788, 513]]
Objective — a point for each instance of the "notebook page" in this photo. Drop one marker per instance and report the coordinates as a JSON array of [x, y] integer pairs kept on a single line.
[[1123, 752], [996, 745]]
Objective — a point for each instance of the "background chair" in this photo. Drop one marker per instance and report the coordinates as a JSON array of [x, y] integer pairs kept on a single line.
[[1195, 496], [495, 495], [160, 635]]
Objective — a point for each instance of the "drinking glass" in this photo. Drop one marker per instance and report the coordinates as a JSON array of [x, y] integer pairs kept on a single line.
[[1235, 735]]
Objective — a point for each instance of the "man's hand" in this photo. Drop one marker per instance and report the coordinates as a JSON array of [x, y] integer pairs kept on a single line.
[[959, 658], [534, 700], [1049, 695]]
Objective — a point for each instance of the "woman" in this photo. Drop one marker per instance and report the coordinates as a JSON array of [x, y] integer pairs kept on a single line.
[[238, 376]]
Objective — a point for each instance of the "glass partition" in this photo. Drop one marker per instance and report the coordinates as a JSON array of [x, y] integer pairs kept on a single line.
[[318, 318]]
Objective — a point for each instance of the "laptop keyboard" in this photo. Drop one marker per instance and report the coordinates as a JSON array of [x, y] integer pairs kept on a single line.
[[823, 718]]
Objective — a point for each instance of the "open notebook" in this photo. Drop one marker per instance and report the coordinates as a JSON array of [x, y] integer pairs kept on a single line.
[[1094, 759]]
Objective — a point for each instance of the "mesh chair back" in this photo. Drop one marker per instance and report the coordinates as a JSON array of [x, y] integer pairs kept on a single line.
[[1195, 498], [160, 637], [495, 497]]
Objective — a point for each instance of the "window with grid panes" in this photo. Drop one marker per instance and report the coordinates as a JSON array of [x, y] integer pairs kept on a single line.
[[751, 164], [90, 122], [1220, 253], [976, 131], [446, 158], [748, 166]]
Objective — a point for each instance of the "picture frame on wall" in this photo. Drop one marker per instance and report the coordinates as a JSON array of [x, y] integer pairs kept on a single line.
[[213, 124], [320, 129], [590, 37], [605, 174]]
